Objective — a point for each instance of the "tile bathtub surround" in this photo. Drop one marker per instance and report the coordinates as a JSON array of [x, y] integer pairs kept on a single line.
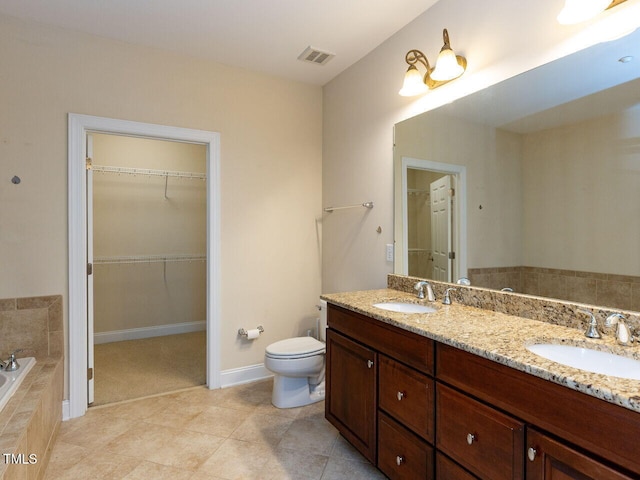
[[558, 312], [30, 421], [32, 323], [197, 434]]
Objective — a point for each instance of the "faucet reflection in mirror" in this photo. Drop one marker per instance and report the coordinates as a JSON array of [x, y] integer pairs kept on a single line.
[[449, 66]]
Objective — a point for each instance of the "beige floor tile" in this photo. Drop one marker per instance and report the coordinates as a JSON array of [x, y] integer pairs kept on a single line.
[[93, 430], [100, 466], [153, 471], [238, 460], [136, 409], [218, 421], [269, 409], [177, 415], [343, 469], [183, 435], [262, 428], [164, 445], [295, 465], [310, 435], [248, 397], [343, 449], [200, 396], [63, 457]]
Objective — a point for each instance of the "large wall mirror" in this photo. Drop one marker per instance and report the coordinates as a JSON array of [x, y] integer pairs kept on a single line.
[[543, 180]]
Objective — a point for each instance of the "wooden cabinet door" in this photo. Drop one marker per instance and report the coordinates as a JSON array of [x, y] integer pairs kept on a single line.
[[548, 459], [351, 385]]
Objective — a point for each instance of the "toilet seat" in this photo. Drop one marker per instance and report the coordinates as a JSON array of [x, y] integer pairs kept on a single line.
[[298, 347]]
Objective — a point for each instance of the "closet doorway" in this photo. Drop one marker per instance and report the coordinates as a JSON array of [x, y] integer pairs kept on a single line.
[[147, 242], [82, 131]]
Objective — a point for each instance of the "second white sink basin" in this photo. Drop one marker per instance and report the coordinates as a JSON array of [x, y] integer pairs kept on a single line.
[[403, 307], [590, 360]]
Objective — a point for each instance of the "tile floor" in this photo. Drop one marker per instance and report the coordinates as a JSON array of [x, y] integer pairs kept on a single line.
[[198, 434]]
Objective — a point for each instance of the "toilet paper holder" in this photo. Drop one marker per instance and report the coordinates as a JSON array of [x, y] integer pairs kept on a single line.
[[244, 333]]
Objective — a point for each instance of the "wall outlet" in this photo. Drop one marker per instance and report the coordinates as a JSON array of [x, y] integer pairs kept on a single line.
[[389, 252]]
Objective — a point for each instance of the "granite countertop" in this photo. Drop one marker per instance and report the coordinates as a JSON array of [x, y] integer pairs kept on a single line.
[[501, 338]]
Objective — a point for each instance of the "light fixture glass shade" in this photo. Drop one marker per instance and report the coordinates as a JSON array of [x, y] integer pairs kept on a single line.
[[447, 67], [576, 11], [413, 83]]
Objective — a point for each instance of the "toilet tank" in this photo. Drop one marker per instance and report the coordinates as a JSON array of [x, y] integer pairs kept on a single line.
[[322, 321]]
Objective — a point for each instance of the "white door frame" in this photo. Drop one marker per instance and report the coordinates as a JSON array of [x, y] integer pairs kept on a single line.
[[79, 126], [459, 174]]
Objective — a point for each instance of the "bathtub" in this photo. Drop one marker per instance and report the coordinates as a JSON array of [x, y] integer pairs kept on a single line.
[[10, 381]]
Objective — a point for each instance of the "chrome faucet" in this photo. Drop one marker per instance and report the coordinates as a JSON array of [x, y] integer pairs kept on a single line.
[[11, 365], [447, 297], [592, 328], [420, 288], [623, 334]]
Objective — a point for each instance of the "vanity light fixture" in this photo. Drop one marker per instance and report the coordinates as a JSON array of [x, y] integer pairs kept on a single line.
[[577, 11], [449, 66]]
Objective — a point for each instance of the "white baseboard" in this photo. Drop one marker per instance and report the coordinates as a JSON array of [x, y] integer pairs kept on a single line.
[[147, 332], [66, 410], [238, 376]]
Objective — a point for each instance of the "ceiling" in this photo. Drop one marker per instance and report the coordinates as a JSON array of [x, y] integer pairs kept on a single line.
[[260, 35]]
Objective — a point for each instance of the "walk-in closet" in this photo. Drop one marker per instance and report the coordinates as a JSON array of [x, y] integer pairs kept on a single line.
[[148, 245]]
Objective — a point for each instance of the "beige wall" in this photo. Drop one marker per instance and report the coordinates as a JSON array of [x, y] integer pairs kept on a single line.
[[132, 217], [582, 186], [493, 163], [500, 38], [270, 131]]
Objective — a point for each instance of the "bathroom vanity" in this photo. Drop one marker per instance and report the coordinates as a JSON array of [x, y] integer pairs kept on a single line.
[[455, 395]]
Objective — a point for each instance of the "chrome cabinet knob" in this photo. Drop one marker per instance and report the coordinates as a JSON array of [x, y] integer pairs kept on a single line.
[[399, 460], [531, 453], [401, 395], [470, 438], [369, 364]]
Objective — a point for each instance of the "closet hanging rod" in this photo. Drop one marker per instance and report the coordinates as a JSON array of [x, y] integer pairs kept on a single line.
[[148, 259], [148, 172], [365, 204]]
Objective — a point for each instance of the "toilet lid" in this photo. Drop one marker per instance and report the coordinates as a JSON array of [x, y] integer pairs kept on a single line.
[[295, 347]]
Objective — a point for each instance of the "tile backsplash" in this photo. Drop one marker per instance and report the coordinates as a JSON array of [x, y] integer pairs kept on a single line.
[[31, 323]]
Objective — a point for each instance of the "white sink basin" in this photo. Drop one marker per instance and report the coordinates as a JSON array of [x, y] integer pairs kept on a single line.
[[590, 360], [403, 307]]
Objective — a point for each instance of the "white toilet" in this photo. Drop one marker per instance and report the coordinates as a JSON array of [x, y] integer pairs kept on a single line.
[[298, 367]]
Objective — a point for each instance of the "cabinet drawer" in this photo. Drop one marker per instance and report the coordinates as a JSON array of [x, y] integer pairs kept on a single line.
[[447, 469], [402, 455], [408, 347], [407, 396], [483, 440]]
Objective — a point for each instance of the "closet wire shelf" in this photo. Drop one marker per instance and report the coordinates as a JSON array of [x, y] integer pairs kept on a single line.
[[148, 172], [148, 259]]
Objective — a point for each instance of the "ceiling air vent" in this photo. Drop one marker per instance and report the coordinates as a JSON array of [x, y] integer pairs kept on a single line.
[[313, 55]]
